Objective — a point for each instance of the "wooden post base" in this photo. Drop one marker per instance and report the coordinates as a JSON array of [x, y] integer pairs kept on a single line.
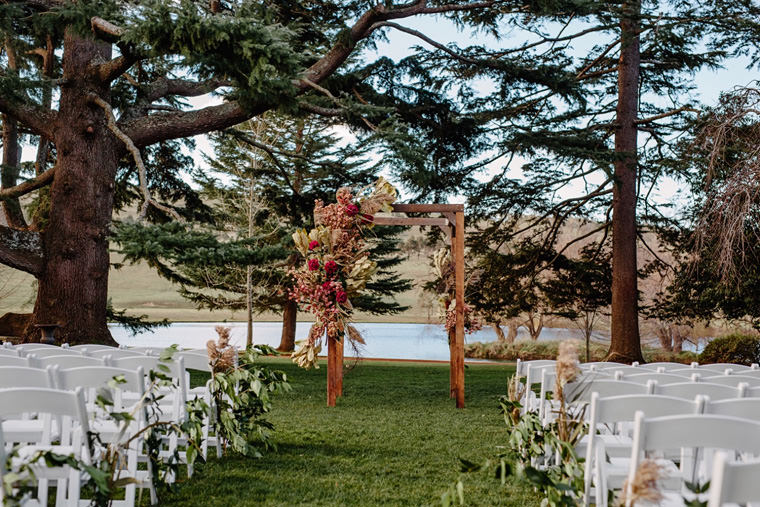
[[334, 370]]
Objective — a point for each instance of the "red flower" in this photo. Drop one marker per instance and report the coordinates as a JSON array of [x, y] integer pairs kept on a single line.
[[331, 267], [368, 218], [352, 210], [313, 244], [341, 297], [313, 264], [327, 286]]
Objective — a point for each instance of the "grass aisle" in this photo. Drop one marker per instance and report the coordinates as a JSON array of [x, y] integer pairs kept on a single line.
[[394, 438]]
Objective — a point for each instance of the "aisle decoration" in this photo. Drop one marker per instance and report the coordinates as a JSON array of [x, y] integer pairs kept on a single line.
[[444, 285], [336, 264]]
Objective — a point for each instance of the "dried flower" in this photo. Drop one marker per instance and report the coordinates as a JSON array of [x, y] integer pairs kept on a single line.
[[341, 297], [352, 210], [313, 264], [313, 244], [567, 363], [221, 354], [645, 486], [331, 267]]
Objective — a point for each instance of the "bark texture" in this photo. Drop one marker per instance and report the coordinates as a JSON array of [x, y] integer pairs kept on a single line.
[[625, 344], [289, 318], [73, 284]]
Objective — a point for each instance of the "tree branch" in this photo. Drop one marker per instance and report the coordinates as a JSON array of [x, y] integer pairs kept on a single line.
[[24, 188], [665, 115], [38, 120], [142, 173], [22, 250], [159, 127]]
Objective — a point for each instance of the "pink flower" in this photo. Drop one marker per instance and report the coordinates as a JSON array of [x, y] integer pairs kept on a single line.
[[331, 267], [313, 264], [327, 286], [313, 244], [352, 210], [341, 297]]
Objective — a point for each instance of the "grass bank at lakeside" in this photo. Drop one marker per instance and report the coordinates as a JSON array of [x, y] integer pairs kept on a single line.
[[394, 439]]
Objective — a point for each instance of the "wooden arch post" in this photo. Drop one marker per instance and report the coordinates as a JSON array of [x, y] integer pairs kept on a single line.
[[452, 223]]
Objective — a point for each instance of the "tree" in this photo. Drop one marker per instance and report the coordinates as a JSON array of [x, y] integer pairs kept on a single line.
[[267, 173], [253, 56], [581, 289]]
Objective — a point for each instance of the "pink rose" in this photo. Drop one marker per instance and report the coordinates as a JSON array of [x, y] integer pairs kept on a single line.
[[313, 244], [331, 267], [313, 264], [341, 297], [352, 210]]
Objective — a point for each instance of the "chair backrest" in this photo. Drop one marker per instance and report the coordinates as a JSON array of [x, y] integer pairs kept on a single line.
[[745, 408], [623, 369], [113, 353], [49, 352], [581, 391], [614, 409], [99, 376], [733, 483], [522, 366], [665, 366], [4, 351], [67, 361], [743, 373], [195, 361], [92, 347], [66, 407], [732, 380], [721, 367], [660, 378], [35, 346], [25, 376], [689, 390], [14, 361], [691, 432]]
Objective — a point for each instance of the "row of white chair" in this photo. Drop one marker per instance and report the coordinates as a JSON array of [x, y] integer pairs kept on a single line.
[[68, 371]]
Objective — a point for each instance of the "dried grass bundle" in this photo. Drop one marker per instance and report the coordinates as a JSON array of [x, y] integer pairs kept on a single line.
[[221, 355], [354, 335], [645, 486], [568, 425]]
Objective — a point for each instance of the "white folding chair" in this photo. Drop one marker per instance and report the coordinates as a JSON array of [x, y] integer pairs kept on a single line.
[[67, 361], [14, 361], [533, 376], [721, 367], [113, 353], [25, 428], [172, 406], [51, 352], [732, 380], [91, 347], [666, 367], [660, 378], [577, 392], [522, 366], [734, 483], [700, 432], [744, 373], [196, 361], [607, 452], [689, 390], [4, 351], [71, 440], [624, 369], [35, 346], [92, 379]]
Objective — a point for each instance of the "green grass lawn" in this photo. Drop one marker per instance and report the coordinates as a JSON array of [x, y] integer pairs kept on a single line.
[[394, 438]]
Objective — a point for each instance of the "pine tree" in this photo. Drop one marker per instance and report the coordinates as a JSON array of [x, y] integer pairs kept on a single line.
[[120, 73]]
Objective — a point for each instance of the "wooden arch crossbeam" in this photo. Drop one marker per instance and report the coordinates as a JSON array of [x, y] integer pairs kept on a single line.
[[452, 223]]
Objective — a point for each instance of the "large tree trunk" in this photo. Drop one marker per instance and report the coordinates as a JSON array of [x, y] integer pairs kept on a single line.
[[11, 161], [289, 318], [625, 345], [73, 285]]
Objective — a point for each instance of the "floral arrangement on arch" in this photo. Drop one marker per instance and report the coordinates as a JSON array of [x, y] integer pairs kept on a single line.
[[443, 268], [337, 265]]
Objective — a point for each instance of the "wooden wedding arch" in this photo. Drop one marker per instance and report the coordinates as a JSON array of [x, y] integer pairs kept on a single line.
[[451, 222]]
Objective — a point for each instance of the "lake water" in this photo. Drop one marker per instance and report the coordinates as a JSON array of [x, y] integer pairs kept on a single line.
[[384, 340]]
